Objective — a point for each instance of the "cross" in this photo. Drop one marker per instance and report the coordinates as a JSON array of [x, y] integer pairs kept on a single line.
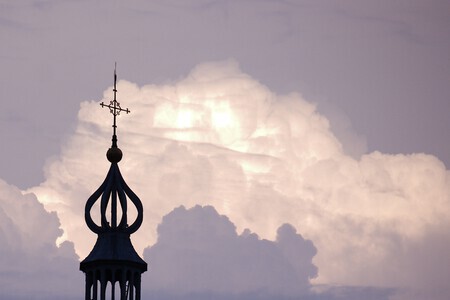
[[114, 108]]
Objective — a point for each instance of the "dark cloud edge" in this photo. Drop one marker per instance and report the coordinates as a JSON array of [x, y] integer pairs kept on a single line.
[[326, 293]]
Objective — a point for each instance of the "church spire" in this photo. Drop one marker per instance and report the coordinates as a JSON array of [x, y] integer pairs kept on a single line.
[[113, 258]]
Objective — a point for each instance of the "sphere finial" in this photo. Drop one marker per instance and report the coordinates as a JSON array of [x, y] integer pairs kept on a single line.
[[114, 154]]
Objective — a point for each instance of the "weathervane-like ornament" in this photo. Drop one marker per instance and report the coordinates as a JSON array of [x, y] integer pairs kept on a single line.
[[113, 258], [114, 109]]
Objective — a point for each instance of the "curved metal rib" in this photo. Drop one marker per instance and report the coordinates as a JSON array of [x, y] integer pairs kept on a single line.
[[113, 187]]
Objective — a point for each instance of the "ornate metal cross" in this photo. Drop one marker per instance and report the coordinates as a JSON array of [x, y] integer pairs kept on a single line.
[[114, 108]]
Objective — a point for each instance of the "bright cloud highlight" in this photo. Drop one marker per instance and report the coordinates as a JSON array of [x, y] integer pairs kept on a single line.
[[218, 137]]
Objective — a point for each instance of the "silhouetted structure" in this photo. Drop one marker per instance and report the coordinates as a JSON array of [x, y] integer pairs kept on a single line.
[[113, 259]]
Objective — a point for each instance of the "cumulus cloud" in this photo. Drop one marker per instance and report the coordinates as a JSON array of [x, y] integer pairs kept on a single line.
[[199, 255], [199, 251], [31, 265], [218, 137]]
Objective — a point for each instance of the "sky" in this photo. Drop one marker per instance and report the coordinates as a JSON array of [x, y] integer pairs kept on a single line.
[[281, 149]]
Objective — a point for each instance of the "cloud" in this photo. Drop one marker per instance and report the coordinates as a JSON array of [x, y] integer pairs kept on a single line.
[[199, 255], [199, 251], [218, 137], [32, 266]]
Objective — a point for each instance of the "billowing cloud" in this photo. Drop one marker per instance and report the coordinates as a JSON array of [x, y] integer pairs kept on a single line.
[[218, 137], [199, 255], [199, 251], [31, 265]]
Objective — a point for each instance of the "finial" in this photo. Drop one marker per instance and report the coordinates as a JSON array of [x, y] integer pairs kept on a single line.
[[114, 154]]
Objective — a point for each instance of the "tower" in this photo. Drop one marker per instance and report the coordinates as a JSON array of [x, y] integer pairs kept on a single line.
[[113, 268]]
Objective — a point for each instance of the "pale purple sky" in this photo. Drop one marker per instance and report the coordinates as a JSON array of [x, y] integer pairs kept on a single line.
[[308, 139], [378, 70]]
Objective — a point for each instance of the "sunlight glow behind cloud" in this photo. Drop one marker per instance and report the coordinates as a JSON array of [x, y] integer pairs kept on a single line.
[[218, 137]]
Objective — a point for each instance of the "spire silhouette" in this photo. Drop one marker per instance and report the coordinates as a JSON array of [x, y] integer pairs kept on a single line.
[[113, 258]]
